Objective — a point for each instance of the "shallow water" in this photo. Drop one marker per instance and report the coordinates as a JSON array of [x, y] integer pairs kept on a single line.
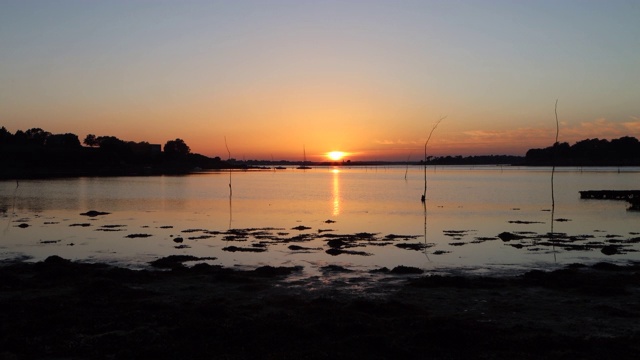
[[466, 208]]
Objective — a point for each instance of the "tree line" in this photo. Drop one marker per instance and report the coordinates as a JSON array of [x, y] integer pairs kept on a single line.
[[39, 153], [624, 151]]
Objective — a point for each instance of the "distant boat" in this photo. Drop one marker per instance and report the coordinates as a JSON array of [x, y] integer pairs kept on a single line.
[[280, 168], [304, 162]]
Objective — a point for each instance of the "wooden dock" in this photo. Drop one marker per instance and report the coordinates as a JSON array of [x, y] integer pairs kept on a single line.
[[631, 196]]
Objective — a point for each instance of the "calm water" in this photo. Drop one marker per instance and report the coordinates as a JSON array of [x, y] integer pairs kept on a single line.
[[269, 211]]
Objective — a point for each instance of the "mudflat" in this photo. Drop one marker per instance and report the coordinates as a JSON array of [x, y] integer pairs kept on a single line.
[[69, 310]]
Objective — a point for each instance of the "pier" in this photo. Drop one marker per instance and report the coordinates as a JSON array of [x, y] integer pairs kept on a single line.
[[631, 196]]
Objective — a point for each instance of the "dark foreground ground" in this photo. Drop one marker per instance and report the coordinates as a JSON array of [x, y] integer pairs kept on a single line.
[[58, 309]]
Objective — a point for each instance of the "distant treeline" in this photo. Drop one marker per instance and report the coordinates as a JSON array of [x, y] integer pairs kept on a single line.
[[624, 151], [476, 160], [39, 153]]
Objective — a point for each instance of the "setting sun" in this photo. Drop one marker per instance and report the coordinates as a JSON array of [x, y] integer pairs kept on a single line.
[[336, 155]]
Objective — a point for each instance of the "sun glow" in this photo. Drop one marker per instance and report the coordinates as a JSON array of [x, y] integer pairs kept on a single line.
[[336, 155]]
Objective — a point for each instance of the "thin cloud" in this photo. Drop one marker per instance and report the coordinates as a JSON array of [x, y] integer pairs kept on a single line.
[[394, 142], [518, 140], [597, 128]]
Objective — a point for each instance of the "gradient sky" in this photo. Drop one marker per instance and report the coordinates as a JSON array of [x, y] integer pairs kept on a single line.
[[366, 77]]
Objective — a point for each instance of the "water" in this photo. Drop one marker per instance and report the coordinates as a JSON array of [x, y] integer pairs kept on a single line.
[[466, 208]]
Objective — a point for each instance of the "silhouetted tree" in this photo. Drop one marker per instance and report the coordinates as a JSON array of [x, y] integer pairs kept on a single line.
[[5, 136], [625, 147], [37, 136], [110, 143], [622, 151], [91, 140], [63, 141], [177, 146]]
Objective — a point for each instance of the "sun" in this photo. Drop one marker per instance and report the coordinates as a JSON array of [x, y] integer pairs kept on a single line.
[[336, 155]]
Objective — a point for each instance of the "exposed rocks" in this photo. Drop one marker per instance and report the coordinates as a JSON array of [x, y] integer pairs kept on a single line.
[[208, 311], [337, 243], [440, 252], [301, 248], [414, 246], [610, 250], [301, 228], [507, 236], [336, 251], [132, 236], [404, 270], [94, 213], [335, 269], [243, 249], [172, 261]]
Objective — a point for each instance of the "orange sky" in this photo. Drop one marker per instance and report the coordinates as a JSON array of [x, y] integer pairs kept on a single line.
[[368, 78]]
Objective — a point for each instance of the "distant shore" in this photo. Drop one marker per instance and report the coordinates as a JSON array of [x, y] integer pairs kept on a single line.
[[53, 173], [63, 309]]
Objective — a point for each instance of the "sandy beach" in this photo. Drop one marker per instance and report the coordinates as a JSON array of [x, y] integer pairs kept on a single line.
[[69, 310]]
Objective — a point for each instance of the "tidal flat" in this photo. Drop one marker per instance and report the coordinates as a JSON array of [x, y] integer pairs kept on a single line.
[[58, 308]]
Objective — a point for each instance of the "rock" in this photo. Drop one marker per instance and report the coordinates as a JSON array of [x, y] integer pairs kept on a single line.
[[23, 225], [440, 252], [401, 270], [178, 240], [93, 213], [56, 260], [172, 261], [131, 236], [335, 251], [609, 250], [243, 249], [507, 236], [412, 246], [335, 268], [336, 243], [301, 248], [301, 227]]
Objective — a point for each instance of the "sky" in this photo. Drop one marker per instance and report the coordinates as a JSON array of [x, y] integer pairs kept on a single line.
[[279, 79]]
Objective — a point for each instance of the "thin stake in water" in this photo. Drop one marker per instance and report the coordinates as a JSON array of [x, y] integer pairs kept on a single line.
[[424, 194]]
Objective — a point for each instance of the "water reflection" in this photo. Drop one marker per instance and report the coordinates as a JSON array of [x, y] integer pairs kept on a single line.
[[336, 192]]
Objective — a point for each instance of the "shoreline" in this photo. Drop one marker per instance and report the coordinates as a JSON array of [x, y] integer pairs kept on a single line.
[[58, 308]]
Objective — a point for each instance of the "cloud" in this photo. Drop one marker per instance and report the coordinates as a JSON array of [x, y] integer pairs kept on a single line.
[[514, 141], [633, 127], [394, 142], [597, 128], [601, 128]]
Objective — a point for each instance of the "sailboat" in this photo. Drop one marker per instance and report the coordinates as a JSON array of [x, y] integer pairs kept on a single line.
[[304, 162]]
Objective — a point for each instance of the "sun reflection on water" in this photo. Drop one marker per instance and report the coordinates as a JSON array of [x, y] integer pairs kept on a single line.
[[336, 192]]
